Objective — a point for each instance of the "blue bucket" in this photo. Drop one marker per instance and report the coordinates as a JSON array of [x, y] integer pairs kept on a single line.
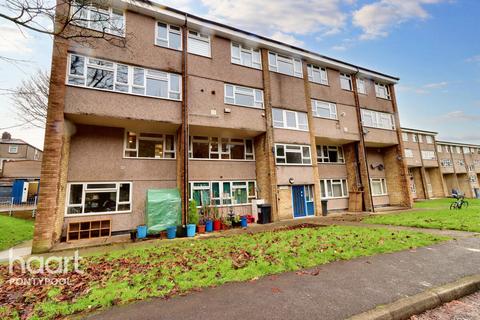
[[171, 232], [191, 230], [244, 221], [141, 232], [208, 226]]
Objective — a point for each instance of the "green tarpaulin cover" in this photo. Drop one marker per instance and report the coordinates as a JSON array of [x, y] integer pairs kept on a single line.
[[163, 209]]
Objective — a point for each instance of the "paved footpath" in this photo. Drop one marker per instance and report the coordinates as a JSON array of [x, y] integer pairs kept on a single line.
[[466, 308], [339, 290]]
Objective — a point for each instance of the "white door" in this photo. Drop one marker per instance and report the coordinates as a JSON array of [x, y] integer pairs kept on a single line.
[[25, 192]]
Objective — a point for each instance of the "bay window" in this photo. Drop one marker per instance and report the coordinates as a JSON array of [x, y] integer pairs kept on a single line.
[[375, 119], [168, 36], [243, 96], [149, 145], [324, 109], [106, 75], [330, 154], [317, 74], [286, 65], [379, 186], [292, 154], [98, 198], [333, 188], [217, 148], [222, 193], [287, 119], [245, 56]]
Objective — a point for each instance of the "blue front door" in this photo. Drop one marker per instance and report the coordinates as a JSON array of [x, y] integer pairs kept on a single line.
[[302, 197]]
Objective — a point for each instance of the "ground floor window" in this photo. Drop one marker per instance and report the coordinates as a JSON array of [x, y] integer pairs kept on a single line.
[[99, 198], [222, 192], [333, 188], [379, 186]]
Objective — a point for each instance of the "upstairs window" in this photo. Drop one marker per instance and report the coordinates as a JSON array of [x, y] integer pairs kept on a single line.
[[107, 20], [323, 109], [168, 36], [375, 119], [459, 150], [466, 150], [414, 137], [285, 65], [429, 139], [149, 145], [199, 43], [428, 155], [317, 74], [292, 154], [382, 91], [243, 96], [217, 148], [246, 56], [111, 76], [439, 148], [346, 81], [287, 119], [330, 154], [12, 149], [361, 87], [405, 136], [420, 138], [408, 153], [446, 163]]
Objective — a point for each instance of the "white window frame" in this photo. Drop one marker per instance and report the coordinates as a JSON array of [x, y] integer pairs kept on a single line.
[[428, 155], [377, 119], [249, 156], [89, 9], [319, 104], [256, 56], [324, 158], [293, 148], [414, 137], [429, 139], [408, 153], [257, 103], [284, 123], [439, 148], [446, 163], [295, 62], [466, 150], [169, 30], [361, 86], [137, 143], [85, 190], [405, 136], [13, 149], [36, 155], [198, 36], [224, 198], [382, 91], [130, 84], [459, 150], [346, 77], [420, 138], [322, 73], [383, 186], [327, 192]]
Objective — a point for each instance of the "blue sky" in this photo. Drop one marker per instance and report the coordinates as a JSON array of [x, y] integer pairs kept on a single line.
[[432, 45]]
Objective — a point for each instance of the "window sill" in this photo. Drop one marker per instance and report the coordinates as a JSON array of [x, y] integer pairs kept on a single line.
[[334, 119], [381, 98], [285, 74], [239, 105], [291, 129], [332, 163], [201, 55], [227, 160], [293, 165], [320, 84], [96, 214], [379, 195], [244, 66], [168, 48], [141, 158], [335, 198]]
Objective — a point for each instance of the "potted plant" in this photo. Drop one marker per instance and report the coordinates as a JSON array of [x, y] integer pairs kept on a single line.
[[192, 218], [201, 224], [226, 223], [217, 223], [206, 212]]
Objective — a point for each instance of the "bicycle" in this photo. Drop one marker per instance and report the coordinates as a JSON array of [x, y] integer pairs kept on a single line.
[[459, 203]]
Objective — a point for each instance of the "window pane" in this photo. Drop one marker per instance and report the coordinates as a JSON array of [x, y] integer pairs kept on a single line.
[[138, 76], [77, 65], [175, 41], [243, 99], [285, 67], [251, 189], [337, 188], [294, 157], [246, 58], [150, 149], [122, 73], [291, 119], [215, 190], [131, 140], [280, 151], [98, 78], [76, 194], [124, 195], [161, 32], [169, 143], [200, 150], [277, 115], [100, 202], [237, 152], [157, 88], [174, 82]]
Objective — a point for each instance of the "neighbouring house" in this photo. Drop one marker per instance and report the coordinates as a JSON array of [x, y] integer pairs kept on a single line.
[[228, 117]]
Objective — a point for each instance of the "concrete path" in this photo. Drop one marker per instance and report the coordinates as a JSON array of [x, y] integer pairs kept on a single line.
[[23, 249], [340, 290]]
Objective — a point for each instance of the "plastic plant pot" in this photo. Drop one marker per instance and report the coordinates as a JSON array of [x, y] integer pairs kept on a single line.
[[141, 232], [191, 230], [244, 221], [209, 226], [171, 232], [201, 228], [217, 225]]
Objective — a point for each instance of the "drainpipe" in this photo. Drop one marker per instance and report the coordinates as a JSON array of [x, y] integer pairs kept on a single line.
[[362, 139], [186, 132]]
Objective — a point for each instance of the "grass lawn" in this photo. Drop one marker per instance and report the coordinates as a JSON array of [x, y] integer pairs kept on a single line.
[[165, 268], [14, 231], [435, 214]]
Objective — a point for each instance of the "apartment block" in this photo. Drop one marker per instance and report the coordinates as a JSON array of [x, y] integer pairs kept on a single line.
[[227, 117], [436, 168]]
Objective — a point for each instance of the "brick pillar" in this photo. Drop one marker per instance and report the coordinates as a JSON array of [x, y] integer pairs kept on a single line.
[[423, 174], [265, 161], [313, 144], [442, 182], [55, 158], [436, 179], [419, 183], [401, 163]]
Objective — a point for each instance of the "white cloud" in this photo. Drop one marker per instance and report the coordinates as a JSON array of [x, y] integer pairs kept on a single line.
[[287, 38], [376, 19], [474, 59], [459, 116], [436, 85], [13, 40], [339, 48], [423, 89]]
